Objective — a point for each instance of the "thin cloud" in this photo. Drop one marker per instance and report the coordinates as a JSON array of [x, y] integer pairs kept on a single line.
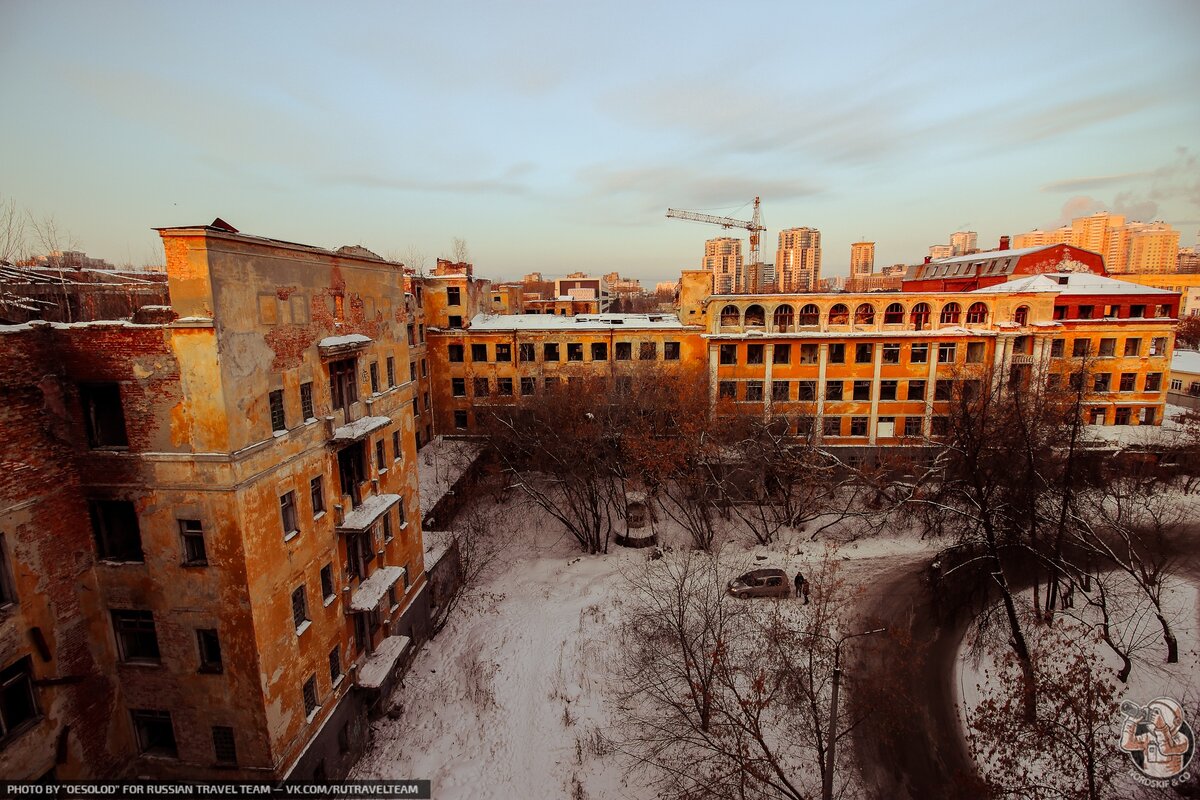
[[1084, 184]]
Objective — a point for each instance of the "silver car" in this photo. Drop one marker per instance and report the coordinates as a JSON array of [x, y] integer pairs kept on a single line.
[[768, 582]]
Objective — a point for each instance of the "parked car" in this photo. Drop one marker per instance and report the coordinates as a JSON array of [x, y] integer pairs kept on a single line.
[[761, 583]]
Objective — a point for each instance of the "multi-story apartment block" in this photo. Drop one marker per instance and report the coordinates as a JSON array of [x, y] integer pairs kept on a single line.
[[798, 260], [964, 243], [723, 258], [940, 251], [862, 259], [1127, 247], [212, 557], [1040, 238]]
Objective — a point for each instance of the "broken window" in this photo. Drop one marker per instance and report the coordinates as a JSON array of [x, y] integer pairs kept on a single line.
[[17, 702], [670, 351], [103, 414], [453, 297], [782, 354], [479, 352], [458, 387], [1058, 348], [754, 354], [858, 426], [335, 666], [454, 353], [837, 353], [310, 697], [916, 390], [599, 351], [224, 748], [306, 401], [727, 390], [1127, 381], [550, 351], [919, 353], [947, 352], [528, 386], [574, 351], [8, 594], [154, 732], [343, 383], [455, 322], [624, 351], [833, 390], [278, 419], [887, 390], [299, 608], [1108, 347], [460, 419], [1153, 381], [137, 639], [754, 391], [115, 526], [779, 390], [327, 592], [832, 426], [481, 387], [504, 352], [975, 352], [891, 353], [374, 373], [504, 387], [210, 650], [525, 352], [648, 351], [191, 533], [727, 353], [287, 512]]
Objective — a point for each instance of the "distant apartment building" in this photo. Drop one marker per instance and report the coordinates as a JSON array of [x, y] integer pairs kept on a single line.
[[862, 259], [798, 260], [212, 555], [963, 242], [1188, 260], [1040, 238], [1127, 247], [937, 251], [723, 258]]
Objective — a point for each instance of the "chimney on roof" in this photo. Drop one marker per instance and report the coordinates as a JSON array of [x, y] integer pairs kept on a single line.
[[928, 259], [1003, 242]]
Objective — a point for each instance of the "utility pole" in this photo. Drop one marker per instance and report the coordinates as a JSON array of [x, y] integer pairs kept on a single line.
[[827, 783]]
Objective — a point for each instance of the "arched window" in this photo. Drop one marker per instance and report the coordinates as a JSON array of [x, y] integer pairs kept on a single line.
[[951, 313], [864, 314], [977, 314], [893, 314], [756, 316], [839, 315], [920, 316], [810, 315], [1021, 315], [731, 316], [783, 318]]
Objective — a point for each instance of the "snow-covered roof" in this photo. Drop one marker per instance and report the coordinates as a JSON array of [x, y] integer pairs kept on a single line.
[[436, 544], [1068, 283], [347, 340], [368, 594], [1186, 361], [375, 670], [359, 428], [443, 461], [363, 517], [578, 322], [987, 255]]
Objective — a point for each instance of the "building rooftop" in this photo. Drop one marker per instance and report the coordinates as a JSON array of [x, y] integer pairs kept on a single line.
[[1186, 361], [578, 322], [1071, 283]]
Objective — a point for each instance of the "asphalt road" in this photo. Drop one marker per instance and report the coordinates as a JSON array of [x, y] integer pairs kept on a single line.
[[927, 756]]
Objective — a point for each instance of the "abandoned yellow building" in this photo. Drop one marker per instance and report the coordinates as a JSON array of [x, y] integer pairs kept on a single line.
[[235, 486]]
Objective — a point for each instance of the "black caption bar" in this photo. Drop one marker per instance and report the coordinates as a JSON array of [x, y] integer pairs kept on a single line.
[[111, 790]]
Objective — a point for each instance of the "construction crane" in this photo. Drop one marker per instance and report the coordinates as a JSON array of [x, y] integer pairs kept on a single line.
[[754, 225]]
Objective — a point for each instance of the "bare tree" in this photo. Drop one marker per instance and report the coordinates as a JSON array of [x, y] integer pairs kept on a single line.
[[729, 698], [1133, 526], [478, 550], [459, 252], [558, 448], [13, 243], [53, 239], [1067, 750]]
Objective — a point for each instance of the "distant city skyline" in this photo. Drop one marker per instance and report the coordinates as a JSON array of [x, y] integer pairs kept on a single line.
[[402, 127]]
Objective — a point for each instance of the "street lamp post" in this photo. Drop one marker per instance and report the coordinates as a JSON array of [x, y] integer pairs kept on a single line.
[[827, 783]]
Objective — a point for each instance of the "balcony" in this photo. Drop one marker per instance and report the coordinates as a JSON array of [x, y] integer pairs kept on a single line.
[[1018, 358], [367, 513]]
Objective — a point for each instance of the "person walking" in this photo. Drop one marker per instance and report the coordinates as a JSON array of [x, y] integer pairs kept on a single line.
[[801, 587]]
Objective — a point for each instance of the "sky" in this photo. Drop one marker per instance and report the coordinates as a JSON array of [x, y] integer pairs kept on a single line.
[[553, 136]]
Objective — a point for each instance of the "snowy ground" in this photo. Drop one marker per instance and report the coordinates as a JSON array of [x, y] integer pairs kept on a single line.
[[512, 699]]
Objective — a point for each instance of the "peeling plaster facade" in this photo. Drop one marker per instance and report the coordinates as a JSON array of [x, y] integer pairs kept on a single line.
[[230, 433]]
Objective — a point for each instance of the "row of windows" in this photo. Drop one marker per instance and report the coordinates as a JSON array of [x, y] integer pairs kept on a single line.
[[1107, 347], [552, 351], [785, 317], [343, 389], [863, 352], [137, 641], [861, 390], [155, 734], [837, 390]]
